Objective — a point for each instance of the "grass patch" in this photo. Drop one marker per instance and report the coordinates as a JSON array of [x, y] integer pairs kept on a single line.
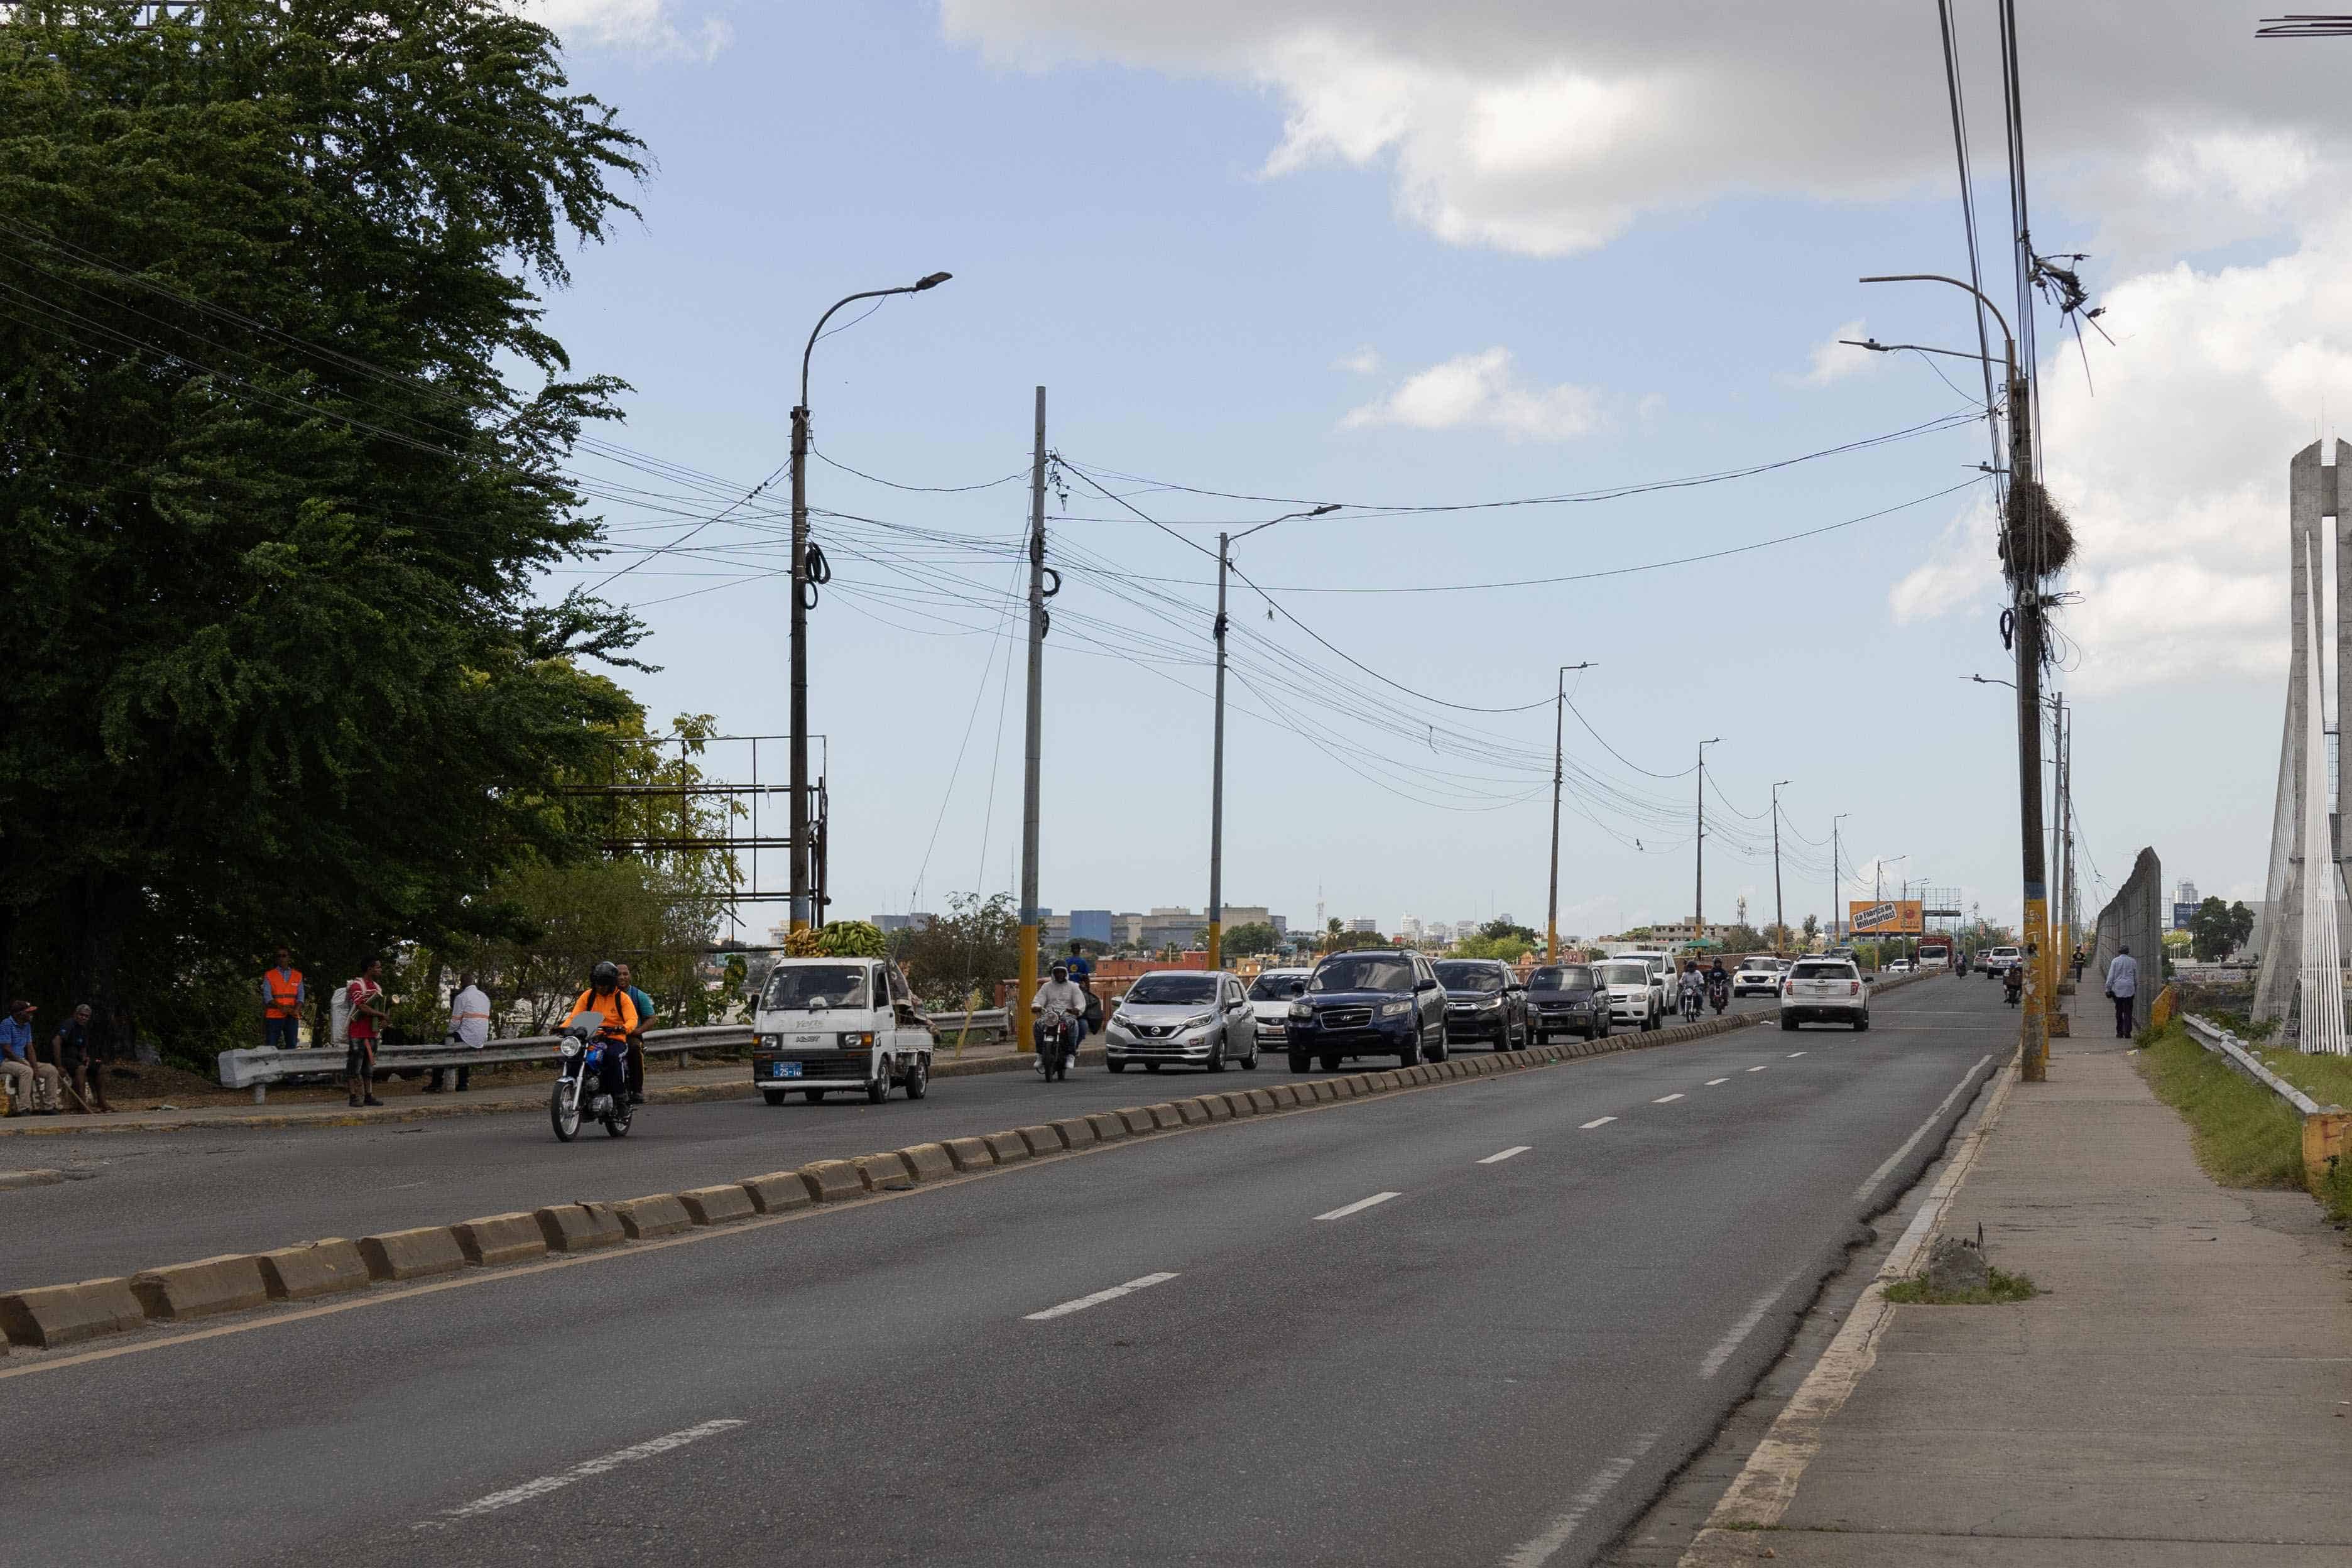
[[2001, 1287], [2327, 1079], [2241, 1133]]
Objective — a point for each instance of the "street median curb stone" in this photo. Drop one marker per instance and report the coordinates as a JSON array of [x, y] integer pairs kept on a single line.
[[1006, 1147], [1240, 1103], [1107, 1125], [778, 1192], [1164, 1116], [1194, 1113], [1077, 1132], [928, 1161], [885, 1172], [56, 1315], [969, 1153], [1214, 1107], [1260, 1099], [1042, 1139], [831, 1181], [500, 1238], [418, 1253], [231, 1282], [1136, 1119], [659, 1214], [316, 1268], [722, 1204], [579, 1227]]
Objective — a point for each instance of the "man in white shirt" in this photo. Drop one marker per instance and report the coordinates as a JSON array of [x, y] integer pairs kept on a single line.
[[2123, 985], [1059, 1006], [469, 1024]]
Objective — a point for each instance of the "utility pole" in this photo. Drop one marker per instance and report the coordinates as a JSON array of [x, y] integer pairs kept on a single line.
[[1023, 1033], [1558, 755], [1837, 881], [1698, 867], [1780, 911]]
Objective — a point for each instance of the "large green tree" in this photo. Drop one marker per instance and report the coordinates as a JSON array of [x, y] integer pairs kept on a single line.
[[270, 513]]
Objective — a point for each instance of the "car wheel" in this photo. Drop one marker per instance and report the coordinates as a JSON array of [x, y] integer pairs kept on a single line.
[[1409, 1054], [1788, 1023], [1216, 1062], [1115, 1065], [878, 1089], [773, 1096], [1249, 1062], [919, 1077], [814, 1096], [1330, 1061], [1862, 1023], [1438, 1052], [1299, 1061]]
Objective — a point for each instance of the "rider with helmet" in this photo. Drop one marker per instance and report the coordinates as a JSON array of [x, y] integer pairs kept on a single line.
[[605, 997], [1693, 988], [1060, 1006]]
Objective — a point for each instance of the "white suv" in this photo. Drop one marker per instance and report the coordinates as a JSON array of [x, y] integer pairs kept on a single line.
[[1824, 990], [1637, 999], [1269, 1000], [1759, 975]]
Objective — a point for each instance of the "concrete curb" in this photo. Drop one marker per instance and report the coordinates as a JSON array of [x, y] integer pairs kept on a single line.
[[57, 1315], [30, 1179]]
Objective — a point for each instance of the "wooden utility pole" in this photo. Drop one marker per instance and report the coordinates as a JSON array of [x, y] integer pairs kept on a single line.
[[1023, 1033]]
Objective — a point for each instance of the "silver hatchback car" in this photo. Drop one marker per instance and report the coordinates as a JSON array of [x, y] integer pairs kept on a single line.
[[1190, 1018]]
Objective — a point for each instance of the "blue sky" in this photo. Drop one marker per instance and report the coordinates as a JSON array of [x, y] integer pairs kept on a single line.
[[1203, 311]]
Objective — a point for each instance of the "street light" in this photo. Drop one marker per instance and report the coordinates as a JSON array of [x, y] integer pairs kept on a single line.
[[1558, 756], [1217, 765], [1779, 915], [800, 856], [1698, 872]]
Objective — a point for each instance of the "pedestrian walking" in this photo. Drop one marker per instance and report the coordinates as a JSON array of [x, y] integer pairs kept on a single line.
[[2079, 962], [81, 1061], [469, 1024], [2123, 985], [33, 1083], [283, 997], [364, 998], [644, 1006]]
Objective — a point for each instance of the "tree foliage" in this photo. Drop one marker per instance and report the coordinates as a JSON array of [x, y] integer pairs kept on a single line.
[[269, 515], [1510, 946], [976, 944], [1505, 929], [1258, 936], [2218, 930]]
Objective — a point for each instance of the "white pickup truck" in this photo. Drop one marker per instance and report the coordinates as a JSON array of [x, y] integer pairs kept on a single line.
[[826, 1024]]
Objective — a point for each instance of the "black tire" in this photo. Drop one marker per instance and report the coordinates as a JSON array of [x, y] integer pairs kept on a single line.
[[1438, 1052], [1862, 1023], [1299, 1061], [814, 1096], [1409, 1055], [1115, 1065], [1249, 1062], [617, 1125], [556, 1115], [919, 1078], [774, 1096], [878, 1088], [1216, 1062], [1788, 1023], [1331, 1062]]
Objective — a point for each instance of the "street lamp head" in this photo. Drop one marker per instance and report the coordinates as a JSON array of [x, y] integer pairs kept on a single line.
[[1328, 506], [933, 282]]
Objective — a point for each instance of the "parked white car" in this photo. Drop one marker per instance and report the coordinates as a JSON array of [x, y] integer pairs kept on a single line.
[[1824, 990], [1758, 975], [826, 1024], [1269, 1000], [1190, 1018], [1637, 997]]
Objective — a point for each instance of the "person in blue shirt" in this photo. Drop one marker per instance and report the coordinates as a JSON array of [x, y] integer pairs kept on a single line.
[[1082, 975], [644, 1006], [33, 1086]]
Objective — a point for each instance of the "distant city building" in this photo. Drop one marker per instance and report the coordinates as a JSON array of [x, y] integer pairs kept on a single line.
[[1363, 924], [2184, 905], [1090, 925]]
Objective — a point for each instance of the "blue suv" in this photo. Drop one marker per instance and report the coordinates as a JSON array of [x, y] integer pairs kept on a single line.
[[1372, 1002]]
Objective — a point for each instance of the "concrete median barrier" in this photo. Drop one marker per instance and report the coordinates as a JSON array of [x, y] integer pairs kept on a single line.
[[417, 1254], [1239, 1103], [1136, 1120], [325, 1268], [177, 1292], [580, 1227], [722, 1205], [1043, 1140], [1109, 1127], [1077, 1132], [778, 1192], [1214, 1108], [57, 1315], [642, 1219], [970, 1154], [1006, 1147], [496, 1240], [928, 1161], [831, 1181], [1165, 1116], [883, 1173]]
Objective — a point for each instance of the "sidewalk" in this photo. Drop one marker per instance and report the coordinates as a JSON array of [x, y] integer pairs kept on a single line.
[[729, 1080], [2181, 1394]]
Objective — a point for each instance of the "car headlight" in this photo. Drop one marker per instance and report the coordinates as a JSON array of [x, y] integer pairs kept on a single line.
[[1396, 1009], [1199, 1021], [1490, 1003], [771, 1041], [1301, 1010], [854, 1039]]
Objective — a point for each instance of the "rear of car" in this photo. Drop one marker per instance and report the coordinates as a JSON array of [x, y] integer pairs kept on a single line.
[[1631, 985], [1824, 990], [2001, 960], [1567, 999], [1759, 975]]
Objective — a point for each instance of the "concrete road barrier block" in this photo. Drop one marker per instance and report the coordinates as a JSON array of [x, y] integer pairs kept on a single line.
[[500, 1238], [1077, 1132], [778, 1192], [928, 1161], [970, 1154], [56, 1315], [660, 1214], [722, 1205], [1137, 1118], [229, 1283], [1164, 1115], [1262, 1101], [1240, 1103], [1042, 1139], [831, 1181], [417, 1254], [1007, 1147], [1214, 1106], [884, 1172], [1109, 1126], [581, 1228], [1192, 1112], [321, 1269]]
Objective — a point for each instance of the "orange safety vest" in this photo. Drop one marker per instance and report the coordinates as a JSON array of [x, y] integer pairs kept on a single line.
[[620, 1022], [285, 993]]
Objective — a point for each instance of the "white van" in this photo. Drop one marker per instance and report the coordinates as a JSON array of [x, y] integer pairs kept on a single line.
[[826, 1024]]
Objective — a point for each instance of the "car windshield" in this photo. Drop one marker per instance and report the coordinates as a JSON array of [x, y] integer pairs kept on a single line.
[[1825, 970], [801, 986], [1275, 986], [1567, 977], [1626, 974], [1173, 990], [1465, 975], [1363, 971], [1761, 963]]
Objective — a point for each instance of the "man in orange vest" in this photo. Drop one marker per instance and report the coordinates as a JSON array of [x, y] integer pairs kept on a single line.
[[283, 997]]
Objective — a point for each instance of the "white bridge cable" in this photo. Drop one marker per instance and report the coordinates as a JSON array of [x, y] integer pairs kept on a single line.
[[2322, 987]]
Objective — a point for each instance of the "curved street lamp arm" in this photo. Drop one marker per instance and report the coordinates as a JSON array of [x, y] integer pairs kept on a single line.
[[2007, 335], [1286, 517], [916, 288]]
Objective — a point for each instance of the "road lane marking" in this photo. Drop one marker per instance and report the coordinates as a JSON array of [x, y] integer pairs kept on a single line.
[[585, 1470], [1498, 1158], [1871, 1182], [1795, 1054], [1759, 1066], [1359, 1207], [1739, 1330], [1713, 1081], [1535, 1554], [1098, 1298], [1665, 1099], [1596, 1122]]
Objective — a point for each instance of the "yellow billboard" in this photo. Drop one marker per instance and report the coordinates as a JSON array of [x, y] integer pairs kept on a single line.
[[1887, 917]]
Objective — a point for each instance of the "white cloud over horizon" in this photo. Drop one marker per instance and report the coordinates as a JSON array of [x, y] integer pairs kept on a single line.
[[652, 28], [1484, 389]]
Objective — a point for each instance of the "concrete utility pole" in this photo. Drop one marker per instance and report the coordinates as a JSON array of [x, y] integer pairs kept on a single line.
[[1698, 867], [1837, 881], [1217, 749], [803, 912], [1780, 911], [1558, 756], [1024, 1034]]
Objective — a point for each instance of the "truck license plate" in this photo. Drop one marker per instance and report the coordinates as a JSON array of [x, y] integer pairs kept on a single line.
[[787, 1069]]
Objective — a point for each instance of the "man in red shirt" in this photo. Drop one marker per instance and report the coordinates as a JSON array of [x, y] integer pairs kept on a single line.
[[367, 1007]]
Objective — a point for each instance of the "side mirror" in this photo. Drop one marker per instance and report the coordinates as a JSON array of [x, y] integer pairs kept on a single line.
[[1299, 988], [1425, 986]]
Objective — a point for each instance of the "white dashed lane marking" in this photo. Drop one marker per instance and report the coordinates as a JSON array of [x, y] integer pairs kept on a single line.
[[1795, 1054], [1665, 1099], [1359, 1207], [1497, 1159], [1759, 1066], [1596, 1122], [1100, 1296], [1713, 1081], [584, 1470]]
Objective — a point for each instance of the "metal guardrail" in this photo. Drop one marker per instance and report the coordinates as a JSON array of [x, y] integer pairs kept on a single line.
[[258, 1070], [2228, 1047]]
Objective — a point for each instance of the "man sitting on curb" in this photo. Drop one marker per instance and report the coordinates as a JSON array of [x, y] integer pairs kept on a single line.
[[2123, 986], [33, 1085]]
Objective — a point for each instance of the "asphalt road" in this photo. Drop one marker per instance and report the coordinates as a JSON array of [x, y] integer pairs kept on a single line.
[[1476, 1324], [134, 1200]]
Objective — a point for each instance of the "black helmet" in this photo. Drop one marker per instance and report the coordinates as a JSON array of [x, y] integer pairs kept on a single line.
[[604, 977]]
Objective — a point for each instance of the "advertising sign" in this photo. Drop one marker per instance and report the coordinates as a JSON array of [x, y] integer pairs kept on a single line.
[[1893, 917], [2182, 915]]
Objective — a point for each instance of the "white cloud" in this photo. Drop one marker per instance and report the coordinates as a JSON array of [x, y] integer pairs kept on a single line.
[[1484, 391], [1834, 359], [1365, 361], [647, 26], [1963, 569]]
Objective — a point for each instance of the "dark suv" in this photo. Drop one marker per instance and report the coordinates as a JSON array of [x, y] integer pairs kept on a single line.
[[1372, 1002], [1567, 998], [1484, 1001]]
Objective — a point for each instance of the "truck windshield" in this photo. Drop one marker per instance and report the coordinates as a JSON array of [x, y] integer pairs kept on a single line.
[[798, 986]]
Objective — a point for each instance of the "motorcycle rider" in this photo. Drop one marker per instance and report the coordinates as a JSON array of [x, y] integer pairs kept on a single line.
[[1694, 988], [607, 997], [1719, 986], [1059, 1004]]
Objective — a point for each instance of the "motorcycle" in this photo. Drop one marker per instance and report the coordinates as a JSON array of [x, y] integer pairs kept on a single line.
[[1056, 1049], [579, 1092], [1693, 1003], [2012, 983], [1719, 992]]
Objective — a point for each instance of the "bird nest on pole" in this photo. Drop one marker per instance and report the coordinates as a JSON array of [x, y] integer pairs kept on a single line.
[[2035, 538]]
